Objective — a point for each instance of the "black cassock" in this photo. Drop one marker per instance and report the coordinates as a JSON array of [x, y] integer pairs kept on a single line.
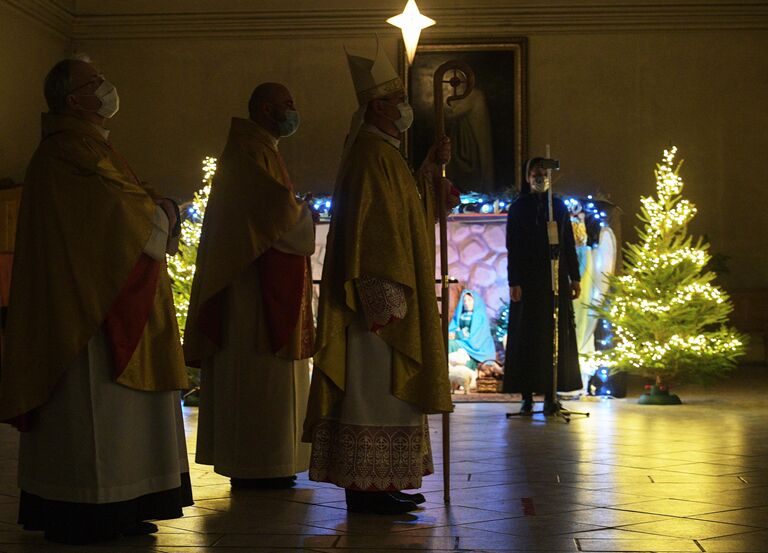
[[528, 364]]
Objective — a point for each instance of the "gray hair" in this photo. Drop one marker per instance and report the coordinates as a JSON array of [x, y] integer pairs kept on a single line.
[[58, 83]]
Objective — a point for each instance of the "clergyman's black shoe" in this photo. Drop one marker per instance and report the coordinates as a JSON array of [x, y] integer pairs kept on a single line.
[[80, 536], [141, 528], [417, 498], [379, 503], [280, 483], [526, 408]]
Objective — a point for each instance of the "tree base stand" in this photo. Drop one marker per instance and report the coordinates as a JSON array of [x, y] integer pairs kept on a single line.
[[658, 395]]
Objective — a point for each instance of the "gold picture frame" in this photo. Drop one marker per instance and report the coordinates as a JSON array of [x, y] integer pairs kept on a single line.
[[494, 116]]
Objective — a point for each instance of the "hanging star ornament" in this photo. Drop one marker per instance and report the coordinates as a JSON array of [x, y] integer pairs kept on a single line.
[[411, 22]]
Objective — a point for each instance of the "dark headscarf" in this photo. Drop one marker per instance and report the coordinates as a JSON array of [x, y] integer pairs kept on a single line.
[[525, 187]]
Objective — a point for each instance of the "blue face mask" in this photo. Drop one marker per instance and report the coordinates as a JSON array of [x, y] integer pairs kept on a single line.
[[290, 124]]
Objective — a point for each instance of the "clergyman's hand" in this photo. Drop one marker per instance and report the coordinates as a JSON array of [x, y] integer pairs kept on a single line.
[[170, 211], [575, 289], [309, 201], [440, 152], [515, 293], [172, 246]]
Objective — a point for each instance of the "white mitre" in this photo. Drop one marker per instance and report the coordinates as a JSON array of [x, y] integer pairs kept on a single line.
[[373, 78]]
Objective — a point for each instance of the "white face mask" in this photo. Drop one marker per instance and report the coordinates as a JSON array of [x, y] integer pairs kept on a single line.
[[110, 101], [406, 117], [539, 184]]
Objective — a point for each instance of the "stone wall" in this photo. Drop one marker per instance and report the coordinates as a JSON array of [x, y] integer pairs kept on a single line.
[[477, 257]]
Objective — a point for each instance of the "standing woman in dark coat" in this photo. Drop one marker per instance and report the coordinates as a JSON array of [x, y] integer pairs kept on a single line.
[[528, 365]]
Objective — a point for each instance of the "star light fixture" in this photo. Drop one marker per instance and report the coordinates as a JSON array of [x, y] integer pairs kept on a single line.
[[411, 22]]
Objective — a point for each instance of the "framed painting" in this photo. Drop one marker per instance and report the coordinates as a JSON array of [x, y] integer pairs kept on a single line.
[[488, 128]]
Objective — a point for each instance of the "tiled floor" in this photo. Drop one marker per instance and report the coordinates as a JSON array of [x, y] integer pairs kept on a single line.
[[687, 478]]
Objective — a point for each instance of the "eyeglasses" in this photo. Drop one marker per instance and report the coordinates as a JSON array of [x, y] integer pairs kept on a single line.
[[97, 79]]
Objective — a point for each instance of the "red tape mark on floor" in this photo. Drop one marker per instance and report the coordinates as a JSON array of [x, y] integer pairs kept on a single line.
[[528, 508]]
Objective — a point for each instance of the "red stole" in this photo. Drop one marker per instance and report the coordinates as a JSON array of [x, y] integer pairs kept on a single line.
[[282, 289], [129, 314], [125, 320]]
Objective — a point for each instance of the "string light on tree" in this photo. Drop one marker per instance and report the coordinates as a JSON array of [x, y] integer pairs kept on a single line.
[[181, 267], [669, 319]]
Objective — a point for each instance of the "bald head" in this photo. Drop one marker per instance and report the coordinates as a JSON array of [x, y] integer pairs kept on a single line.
[[268, 104], [267, 93], [66, 76]]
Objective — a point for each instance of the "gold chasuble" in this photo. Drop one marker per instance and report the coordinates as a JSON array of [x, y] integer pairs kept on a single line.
[[382, 227], [250, 206], [79, 265]]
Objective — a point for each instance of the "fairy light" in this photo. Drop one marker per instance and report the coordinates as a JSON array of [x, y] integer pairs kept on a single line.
[[667, 316], [181, 267]]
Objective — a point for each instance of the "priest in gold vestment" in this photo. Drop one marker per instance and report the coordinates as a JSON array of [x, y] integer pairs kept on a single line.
[[381, 365], [250, 325], [92, 361]]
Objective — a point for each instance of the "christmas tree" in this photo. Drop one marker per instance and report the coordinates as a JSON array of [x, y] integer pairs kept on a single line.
[[181, 267], [669, 319]]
